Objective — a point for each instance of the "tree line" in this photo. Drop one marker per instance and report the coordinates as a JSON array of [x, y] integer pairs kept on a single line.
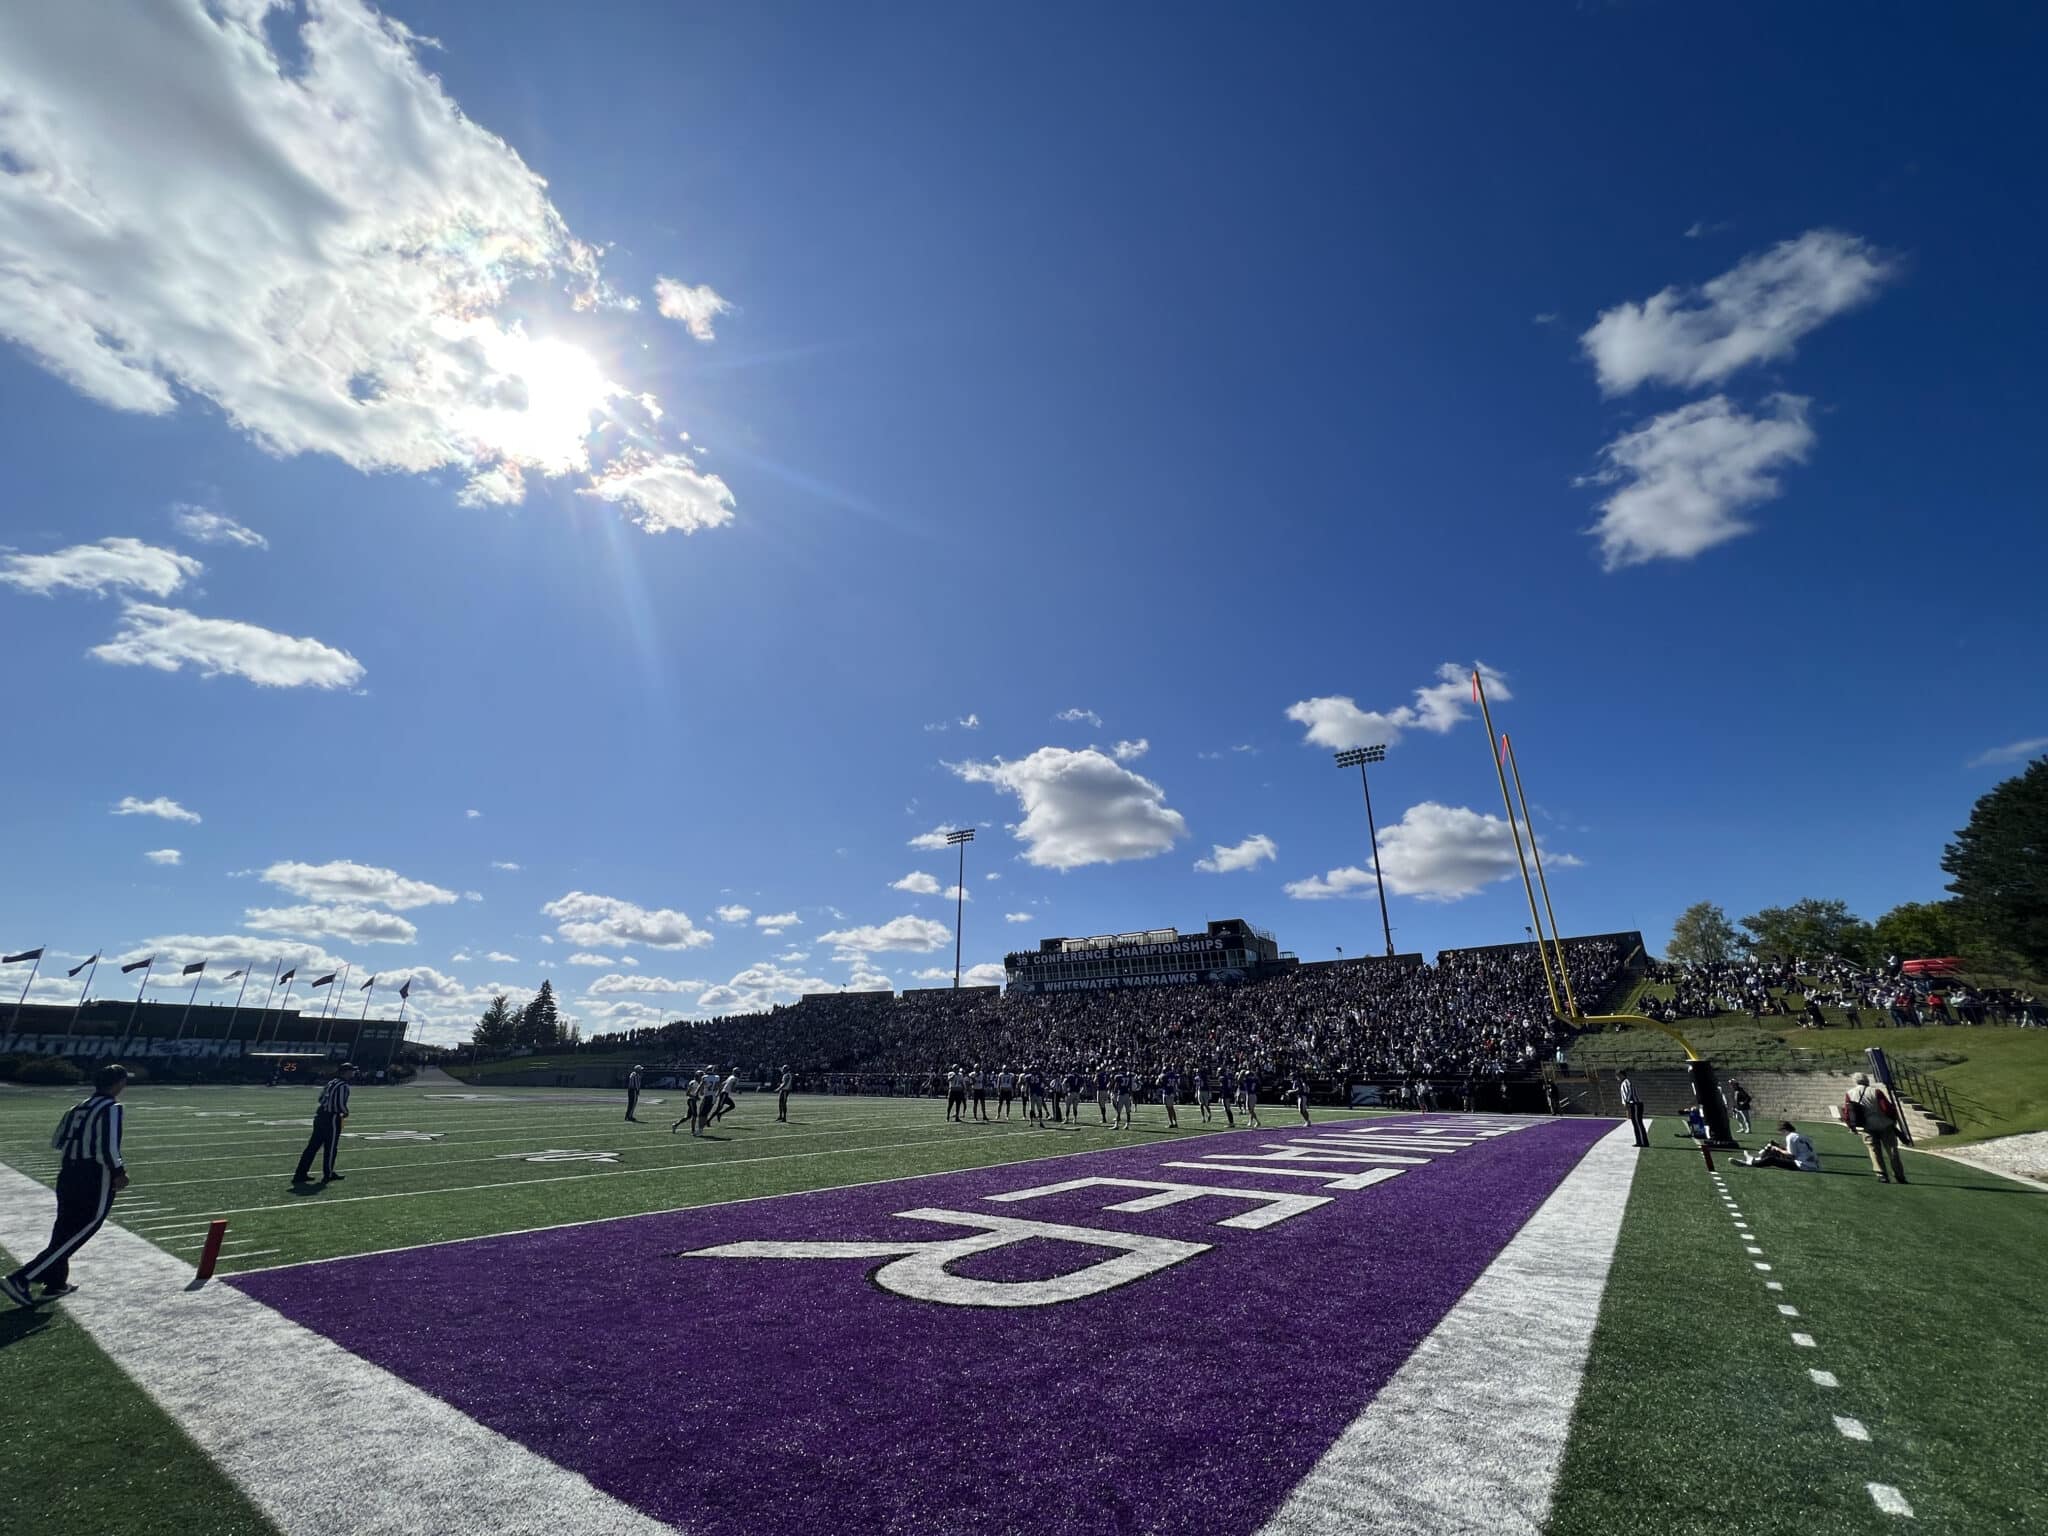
[[539, 1023], [1996, 917]]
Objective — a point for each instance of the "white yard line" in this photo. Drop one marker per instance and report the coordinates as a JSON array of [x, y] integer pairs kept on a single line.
[[1889, 1499], [436, 1469], [1470, 1432]]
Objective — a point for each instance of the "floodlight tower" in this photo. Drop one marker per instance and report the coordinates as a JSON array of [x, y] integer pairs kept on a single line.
[[960, 840], [1358, 757]]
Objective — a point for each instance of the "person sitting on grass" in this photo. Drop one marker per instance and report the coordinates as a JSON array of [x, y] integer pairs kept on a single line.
[[1791, 1150]]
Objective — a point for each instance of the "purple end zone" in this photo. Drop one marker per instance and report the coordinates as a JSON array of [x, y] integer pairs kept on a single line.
[[742, 1394]]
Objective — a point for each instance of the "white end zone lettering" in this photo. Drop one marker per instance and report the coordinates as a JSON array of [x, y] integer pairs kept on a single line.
[[558, 1155], [1277, 1208], [919, 1269]]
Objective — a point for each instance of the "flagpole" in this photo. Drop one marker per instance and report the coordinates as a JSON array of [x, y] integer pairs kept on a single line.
[[82, 991], [235, 1017], [368, 992], [15, 1023], [327, 1013], [132, 1012], [276, 970], [184, 1018], [284, 1005]]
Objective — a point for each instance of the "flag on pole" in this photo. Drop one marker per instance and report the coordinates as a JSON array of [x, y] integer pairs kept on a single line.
[[233, 974], [405, 991], [26, 954], [1504, 749], [88, 960], [194, 968], [324, 980], [287, 976], [367, 985], [1475, 685], [136, 965]]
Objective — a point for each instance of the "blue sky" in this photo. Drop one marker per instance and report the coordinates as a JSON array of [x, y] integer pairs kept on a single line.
[[1095, 415]]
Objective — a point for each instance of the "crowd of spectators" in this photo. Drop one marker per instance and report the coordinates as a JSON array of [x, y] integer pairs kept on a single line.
[[1477, 1014], [1866, 996]]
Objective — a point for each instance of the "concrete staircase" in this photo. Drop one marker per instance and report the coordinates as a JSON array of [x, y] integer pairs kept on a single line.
[[1774, 1096]]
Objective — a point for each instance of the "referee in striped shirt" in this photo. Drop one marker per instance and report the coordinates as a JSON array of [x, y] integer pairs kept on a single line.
[[92, 1173], [327, 1119]]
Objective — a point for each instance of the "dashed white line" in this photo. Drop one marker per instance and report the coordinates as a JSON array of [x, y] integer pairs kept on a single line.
[[1774, 1285], [1751, 1248], [1804, 1341], [1787, 1309], [1889, 1499], [1823, 1378], [1851, 1429], [1763, 1266]]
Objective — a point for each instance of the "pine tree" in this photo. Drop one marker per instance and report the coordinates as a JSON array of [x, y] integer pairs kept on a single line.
[[499, 1026], [541, 1024], [1999, 865]]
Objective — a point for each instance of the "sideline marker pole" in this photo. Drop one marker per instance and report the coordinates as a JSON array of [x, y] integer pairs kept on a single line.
[[210, 1254]]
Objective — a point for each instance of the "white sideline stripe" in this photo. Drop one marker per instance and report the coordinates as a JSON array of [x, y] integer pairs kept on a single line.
[[1787, 1310], [1823, 1378], [1470, 1432], [1804, 1341], [1774, 1285], [436, 1469], [1889, 1499], [1851, 1429]]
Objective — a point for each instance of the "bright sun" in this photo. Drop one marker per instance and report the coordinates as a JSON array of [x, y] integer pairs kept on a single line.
[[543, 396]]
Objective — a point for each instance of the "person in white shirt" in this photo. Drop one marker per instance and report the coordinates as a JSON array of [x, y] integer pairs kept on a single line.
[[1791, 1150]]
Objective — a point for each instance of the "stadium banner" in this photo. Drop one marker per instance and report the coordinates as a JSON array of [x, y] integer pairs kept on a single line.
[[1218, 974], [1167, 1337], [1365, 1095], [1027, 959]]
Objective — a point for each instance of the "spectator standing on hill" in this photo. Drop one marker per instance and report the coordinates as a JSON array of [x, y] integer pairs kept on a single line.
[[633, 1092], [1868, 1110], [327, 1123], [1632, 1106], [90, 1174], [1738, 1104]]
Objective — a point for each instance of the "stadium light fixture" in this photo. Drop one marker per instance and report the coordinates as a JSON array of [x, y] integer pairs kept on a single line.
[[1358, 757], [960, 840]]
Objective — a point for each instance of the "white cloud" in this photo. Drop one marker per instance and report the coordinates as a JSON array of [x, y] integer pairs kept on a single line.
[[162, 806], [460, 957], [164, 856], [472, 895], [1684, 477], [917, 882], [202, 526], [594, 922], [504, 864], [697, 307], [1548, 317], [626, 1013], [1435, 853], [319, 242], [1339, 723], [169, 639], [776, 922], [1130, 751], [1249, 854], [584, 957], [917, 934], [364, 925], [932, 840], [1755, 312], [988, 974], [733, 914], [1077, 714], [1016, 917], [499, 957], [663, 491], [616, 982], [127, 564], [991, 875], [2011, 752], [344, 880], [792, 956], [472, 815], [1080, 808]]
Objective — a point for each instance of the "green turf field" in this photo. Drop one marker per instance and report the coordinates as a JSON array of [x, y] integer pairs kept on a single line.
[[1697, 1413]]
